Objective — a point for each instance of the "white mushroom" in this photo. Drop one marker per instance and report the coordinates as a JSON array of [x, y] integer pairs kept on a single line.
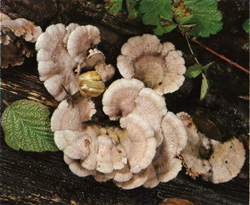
[[104, 155], [74, 144], [96, 59], [119, 99], [55, 65], [80, 40], [140, 144], [136, 181], [226, 159], [14, 37], [196, 165], [76, 168], [166, 163], [151, 107], [159, 66], [152, 180], [67, 117], [64, 50]]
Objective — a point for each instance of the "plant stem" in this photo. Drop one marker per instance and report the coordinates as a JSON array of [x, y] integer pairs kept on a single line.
[[220, 56], [191, 50], [6, 103]]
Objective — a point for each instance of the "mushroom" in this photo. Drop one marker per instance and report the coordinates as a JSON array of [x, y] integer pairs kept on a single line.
[[15, 37], [63, 50], [96, 59], [66, 117], [136, 181], [151, 107], [159, 66], [85, 36], [55, 65], [76, 168], [195, 163], [227, 160], [119, 99], [166, 162], [74, 144], [139, 144], [214, 161]]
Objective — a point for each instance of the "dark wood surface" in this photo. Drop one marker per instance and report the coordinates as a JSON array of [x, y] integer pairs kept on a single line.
[[43, 178]]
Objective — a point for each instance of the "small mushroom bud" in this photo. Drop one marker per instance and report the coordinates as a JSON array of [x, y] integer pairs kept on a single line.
[[91, 84]]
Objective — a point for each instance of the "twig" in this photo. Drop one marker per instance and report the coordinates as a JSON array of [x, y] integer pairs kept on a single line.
[[191, 50], [6, 103], [220, 56]]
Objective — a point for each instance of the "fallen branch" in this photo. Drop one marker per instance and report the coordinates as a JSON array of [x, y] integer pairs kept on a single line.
[[220, 56]]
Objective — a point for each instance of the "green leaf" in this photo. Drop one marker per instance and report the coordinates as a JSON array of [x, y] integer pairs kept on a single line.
[[246, 26], [204, 87], [205, 68], [113, 6], [194, 71], [206, 16], [157, 13], [26, 126], [133, 8], [182, 13]]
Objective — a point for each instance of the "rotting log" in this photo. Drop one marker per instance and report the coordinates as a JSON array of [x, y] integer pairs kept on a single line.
[[43, 178]]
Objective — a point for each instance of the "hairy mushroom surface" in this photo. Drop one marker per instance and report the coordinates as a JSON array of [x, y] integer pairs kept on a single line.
[[16, 38], [214, 161], [159, 66]]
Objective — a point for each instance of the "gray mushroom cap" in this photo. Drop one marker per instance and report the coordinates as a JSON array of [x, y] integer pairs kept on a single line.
[[226, 159], [159, 66]]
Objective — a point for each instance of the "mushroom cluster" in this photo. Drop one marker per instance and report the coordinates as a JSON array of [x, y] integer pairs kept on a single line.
[[213, 161], [14, 37], [159, 66], [146, 144], [63, 52], [143, 150]]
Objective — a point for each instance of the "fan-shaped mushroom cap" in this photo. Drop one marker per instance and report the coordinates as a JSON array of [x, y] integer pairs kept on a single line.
[[21, 28], [195, 164], [96, 59], [74, 144], [166, 163], [136, 181], [159, 67], [14, 37], [67, 117], [119, 99], [223, 165], [76, 168], [151, 107], [152, 180], [122, 175], [55, 65], [227, 160], [104, 155], [140, 144], [86, 37]]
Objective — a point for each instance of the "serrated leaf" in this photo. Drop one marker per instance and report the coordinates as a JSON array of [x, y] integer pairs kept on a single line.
[[181, 12], [206, 16], [157, 13], [204, 87], [246, 26], [113, 6], [133, 10], [26, 126], [194, 71]]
